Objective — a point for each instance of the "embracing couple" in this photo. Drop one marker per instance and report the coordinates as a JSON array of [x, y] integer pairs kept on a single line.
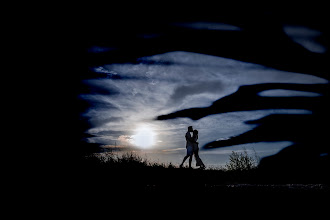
[[192, 148]]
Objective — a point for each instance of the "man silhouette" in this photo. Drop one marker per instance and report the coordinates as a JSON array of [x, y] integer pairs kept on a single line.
[[189, 146]]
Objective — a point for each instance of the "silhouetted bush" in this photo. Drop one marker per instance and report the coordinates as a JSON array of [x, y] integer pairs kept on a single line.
[[240, 161]]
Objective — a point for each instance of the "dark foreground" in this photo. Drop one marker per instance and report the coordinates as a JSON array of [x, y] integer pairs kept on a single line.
[[143, 190], [176, 181]]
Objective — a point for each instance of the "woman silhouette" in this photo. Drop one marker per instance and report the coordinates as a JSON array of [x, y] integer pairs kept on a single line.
[[189, 146], [199, 162]]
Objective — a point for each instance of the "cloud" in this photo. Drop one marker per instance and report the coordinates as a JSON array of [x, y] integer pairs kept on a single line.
[[99, 121], [287, 93], [125, 140], [98, 101], [109, 133], [102, 140], [99, 86], [208, 26], [98, 49], [181, 92], [306, 37], [174, 149]]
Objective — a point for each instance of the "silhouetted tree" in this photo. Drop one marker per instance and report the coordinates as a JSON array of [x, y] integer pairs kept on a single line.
[[242, 161]]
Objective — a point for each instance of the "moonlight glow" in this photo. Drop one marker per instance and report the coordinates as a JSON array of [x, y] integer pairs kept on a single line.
[[144, 137]]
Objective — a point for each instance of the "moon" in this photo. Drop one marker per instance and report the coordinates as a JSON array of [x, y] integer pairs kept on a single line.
[[145, 137]]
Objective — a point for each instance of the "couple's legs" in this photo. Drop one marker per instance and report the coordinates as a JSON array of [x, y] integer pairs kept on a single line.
[[201, 164], [199, 161], [185, 158]]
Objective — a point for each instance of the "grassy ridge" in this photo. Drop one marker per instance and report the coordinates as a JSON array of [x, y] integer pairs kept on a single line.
[[130, 172]]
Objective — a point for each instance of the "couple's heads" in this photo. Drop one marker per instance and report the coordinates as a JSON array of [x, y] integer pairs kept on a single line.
[[190, 129]]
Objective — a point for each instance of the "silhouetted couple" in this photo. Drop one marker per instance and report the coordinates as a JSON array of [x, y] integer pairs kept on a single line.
[[192, 148]]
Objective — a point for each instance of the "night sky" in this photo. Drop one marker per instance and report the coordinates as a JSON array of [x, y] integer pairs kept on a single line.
[[133, 95], [252, 78]]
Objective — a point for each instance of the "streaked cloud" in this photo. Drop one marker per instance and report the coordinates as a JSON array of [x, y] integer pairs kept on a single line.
[[204, 25], [306, 37], [287, 93], [183, 91]]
